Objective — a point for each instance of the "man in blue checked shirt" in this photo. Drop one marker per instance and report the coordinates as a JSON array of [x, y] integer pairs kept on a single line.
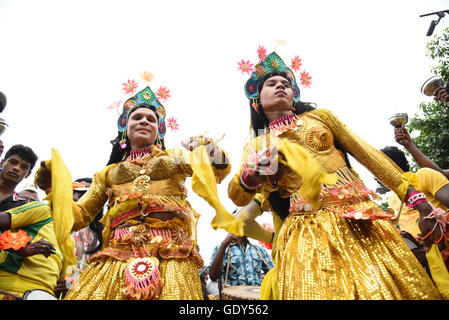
[[239, 262]]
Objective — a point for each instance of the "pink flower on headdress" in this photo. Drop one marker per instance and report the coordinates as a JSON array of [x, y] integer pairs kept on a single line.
[[305, 79], [130, 86], [172, 123], [163, 93], [296, 63], [246, 66], [261, 52]]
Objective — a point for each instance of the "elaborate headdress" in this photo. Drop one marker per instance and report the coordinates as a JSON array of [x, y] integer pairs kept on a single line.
[[144, 96], [271, 63], [147, 96], [268, 64]]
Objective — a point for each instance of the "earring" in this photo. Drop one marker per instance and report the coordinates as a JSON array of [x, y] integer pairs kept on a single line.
[[158, 142], [122, 142], [255, 105]]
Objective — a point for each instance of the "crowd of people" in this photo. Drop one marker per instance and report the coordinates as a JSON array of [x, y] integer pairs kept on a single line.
[[129, 232]]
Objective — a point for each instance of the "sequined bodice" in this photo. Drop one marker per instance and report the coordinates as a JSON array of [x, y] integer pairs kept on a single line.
[[311, 132]]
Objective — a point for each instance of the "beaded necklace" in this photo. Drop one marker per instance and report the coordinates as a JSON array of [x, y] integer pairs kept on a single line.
[[138, 153], [288, 122]]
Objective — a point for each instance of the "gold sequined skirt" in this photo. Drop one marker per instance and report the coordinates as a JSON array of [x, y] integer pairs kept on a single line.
[[103, 280], [323, 256]]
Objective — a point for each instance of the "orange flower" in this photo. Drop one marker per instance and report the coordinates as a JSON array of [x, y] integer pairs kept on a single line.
[[147, 76], [305, 79], [15, 240], [163, 93], [296, 63]]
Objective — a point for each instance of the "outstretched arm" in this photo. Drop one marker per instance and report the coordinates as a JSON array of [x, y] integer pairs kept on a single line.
[[402, 137]]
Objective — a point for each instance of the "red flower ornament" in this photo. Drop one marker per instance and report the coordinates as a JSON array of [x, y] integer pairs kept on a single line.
[[305, 79], [130, 86]]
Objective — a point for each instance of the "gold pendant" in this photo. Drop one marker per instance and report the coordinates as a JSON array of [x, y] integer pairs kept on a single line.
[[142, 182]]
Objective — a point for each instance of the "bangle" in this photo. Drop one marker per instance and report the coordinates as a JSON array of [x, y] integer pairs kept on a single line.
[[415, 198]]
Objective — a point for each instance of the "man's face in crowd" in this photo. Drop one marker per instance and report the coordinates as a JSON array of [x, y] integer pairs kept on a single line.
[[14, 169]]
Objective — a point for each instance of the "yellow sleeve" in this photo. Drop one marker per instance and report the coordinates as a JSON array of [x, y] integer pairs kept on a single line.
[[252, 228], [236, 192], [431, 180], [29, 214], [373, 159], [92, 202]]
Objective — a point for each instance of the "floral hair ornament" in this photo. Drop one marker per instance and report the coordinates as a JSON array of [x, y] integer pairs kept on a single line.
[[271, 63], [146, 95]]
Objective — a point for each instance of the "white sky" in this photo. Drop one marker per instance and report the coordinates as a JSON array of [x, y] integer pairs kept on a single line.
[[62, 63]]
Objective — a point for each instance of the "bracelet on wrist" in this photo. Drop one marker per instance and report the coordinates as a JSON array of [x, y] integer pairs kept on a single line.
[[415, 198]]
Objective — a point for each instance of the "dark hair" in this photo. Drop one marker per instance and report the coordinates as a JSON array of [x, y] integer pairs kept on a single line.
[[23, 152], [118, 154], [398, 157]]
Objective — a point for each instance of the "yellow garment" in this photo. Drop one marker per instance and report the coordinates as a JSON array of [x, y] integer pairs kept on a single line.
[[268, 288], [438, 269], [135, 189], [205, 185], [320, 254], [103, 280], [19, 274], [429, 182], [408, 219], [60, 200], [336, 258], [251, 228], [310, 171]]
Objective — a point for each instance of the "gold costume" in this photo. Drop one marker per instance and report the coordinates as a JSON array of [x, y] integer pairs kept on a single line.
[[142, 257], [319, 254]]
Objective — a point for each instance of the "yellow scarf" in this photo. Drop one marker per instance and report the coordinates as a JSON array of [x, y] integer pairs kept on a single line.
[[302, 162], [60, 200], [205, 185]]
